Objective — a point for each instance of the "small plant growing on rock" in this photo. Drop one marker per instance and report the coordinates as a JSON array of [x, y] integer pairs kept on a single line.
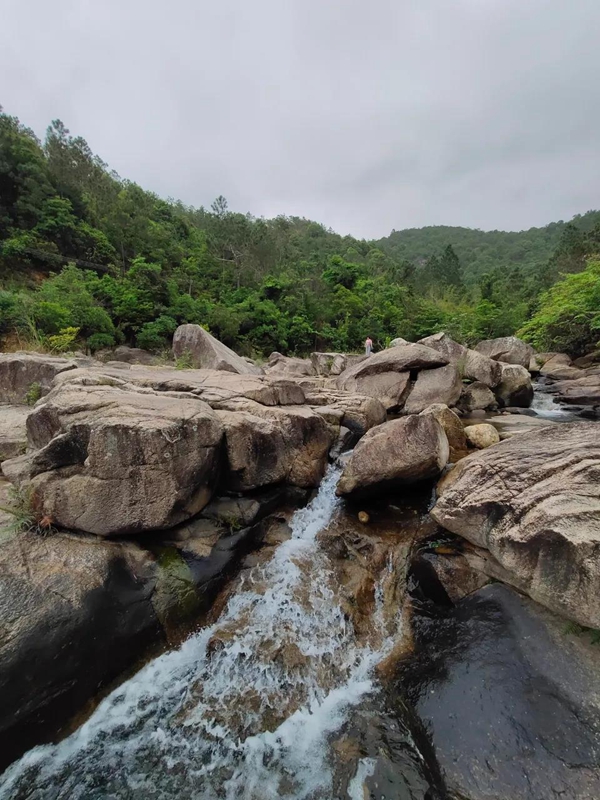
[[27, 518], [184, 361], [33, 394]]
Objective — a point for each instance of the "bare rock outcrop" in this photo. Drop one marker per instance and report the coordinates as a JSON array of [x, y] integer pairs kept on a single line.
[[25, 374], [472, 365], [453, 428], [533, 501], [440, 385], [206, 352], [580, 392], [13, 431], [289, 366], [332, 364], [386, 375], [508, 349], [111, 461], [359, 412], [515, 388], [131, 355], [396, 454], [269, 445]]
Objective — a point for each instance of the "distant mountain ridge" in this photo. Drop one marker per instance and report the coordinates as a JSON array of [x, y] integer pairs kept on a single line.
[[482, 251]]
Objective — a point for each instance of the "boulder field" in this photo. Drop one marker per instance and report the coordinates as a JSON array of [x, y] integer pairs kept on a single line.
[[144, 486]]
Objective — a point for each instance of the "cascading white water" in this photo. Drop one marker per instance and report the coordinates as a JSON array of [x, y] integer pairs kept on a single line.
[[243, 709], [544, 406]]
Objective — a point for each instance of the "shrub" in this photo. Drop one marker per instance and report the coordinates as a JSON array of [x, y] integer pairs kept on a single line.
[[184, 361], [99, 340], [155, 335], [63, 341]]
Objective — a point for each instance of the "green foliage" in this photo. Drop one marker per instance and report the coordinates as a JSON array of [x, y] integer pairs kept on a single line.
[[27, 518], [568, 317], [80, 248], [63, 341], [33, 394], [184, 361], [156, 335]]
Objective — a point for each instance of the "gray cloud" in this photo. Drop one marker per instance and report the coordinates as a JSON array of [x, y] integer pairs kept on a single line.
[[364, 115]]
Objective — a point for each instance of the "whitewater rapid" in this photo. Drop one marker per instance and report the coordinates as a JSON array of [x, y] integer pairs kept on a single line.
[[244, 708]]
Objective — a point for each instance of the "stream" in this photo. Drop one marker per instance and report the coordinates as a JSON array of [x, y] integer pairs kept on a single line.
[[244, 708], [280, 698]]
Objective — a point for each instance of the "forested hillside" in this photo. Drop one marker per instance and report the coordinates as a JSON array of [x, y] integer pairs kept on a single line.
[[89, 260], [483, 251]]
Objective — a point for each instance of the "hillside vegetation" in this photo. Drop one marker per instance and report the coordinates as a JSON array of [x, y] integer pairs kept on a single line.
[[88, 259]]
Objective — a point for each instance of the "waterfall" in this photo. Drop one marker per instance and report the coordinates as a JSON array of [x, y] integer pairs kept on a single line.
[[243, 709], [545, 407]]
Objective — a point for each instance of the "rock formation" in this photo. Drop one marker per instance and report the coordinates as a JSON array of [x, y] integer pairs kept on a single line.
[[396, 454], [534, 502], [507, 349], [206, 352]]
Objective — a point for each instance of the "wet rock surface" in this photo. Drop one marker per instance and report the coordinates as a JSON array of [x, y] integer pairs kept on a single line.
[[510, 701]]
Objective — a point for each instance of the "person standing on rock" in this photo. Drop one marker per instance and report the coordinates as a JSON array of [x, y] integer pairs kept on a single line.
[[368, 346]]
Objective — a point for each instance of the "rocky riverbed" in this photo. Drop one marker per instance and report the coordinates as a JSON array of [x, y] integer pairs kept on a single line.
[[424, 628]]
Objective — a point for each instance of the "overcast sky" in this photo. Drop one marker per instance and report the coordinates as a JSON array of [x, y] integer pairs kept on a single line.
[[365, 115]]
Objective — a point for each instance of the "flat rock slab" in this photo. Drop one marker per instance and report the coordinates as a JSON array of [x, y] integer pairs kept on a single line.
[[13, 431], [580, 392], [511, 702], [509, 425]]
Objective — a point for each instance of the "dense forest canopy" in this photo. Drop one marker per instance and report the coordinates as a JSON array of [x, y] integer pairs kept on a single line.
[[88, 259]]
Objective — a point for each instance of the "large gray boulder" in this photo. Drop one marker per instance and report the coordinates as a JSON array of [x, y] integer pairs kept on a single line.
[[396, 454], [112, 461], [453, 428], [507, 349], [533, 501], [75, 613], [206, 352], [332, 364], [386, 375], [358, 412], [270, 445], [13, 431], [26, 376], [477, 396], [515, 388], [509, 699], [441, 385], [471, 364], [289, 366]]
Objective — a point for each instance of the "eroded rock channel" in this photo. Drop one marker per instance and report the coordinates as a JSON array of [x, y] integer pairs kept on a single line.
[[328, 578]]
